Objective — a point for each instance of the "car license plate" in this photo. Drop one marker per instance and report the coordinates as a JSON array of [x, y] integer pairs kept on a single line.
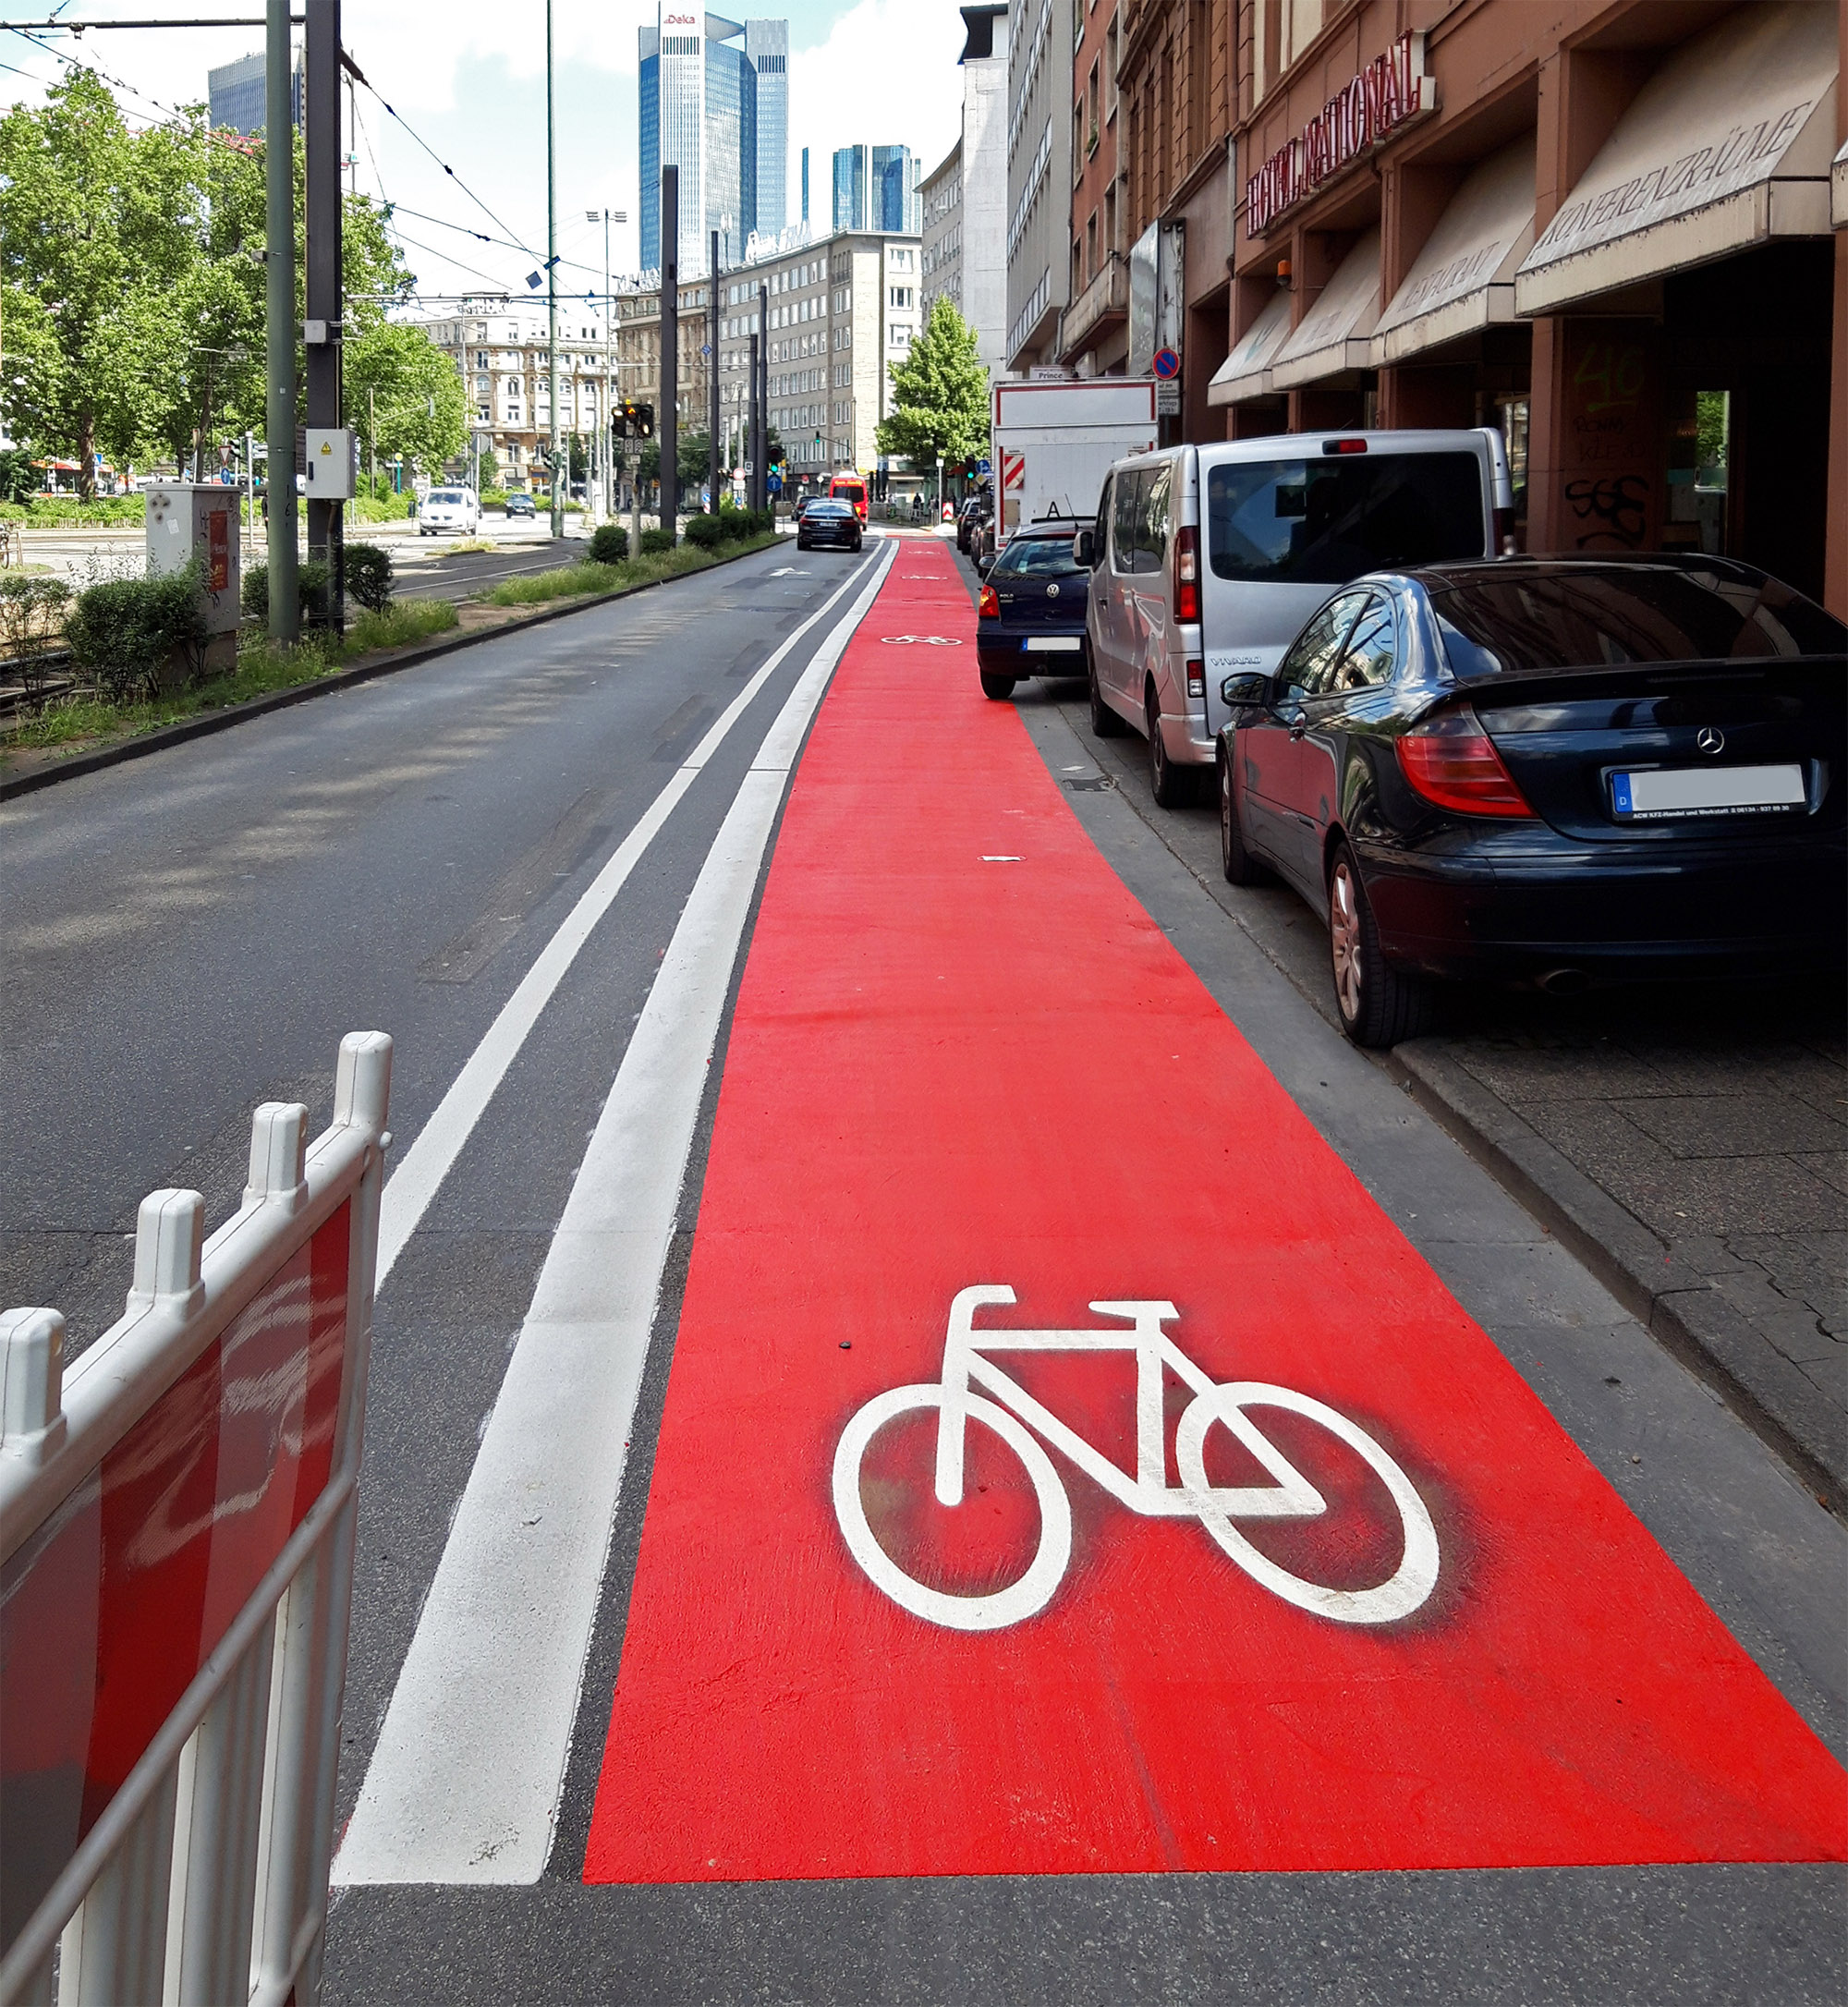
[[1052, 644], [1658, 792]]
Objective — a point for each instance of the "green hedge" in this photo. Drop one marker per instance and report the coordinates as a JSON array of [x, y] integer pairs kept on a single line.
[[122, 633], [368, 577], [705, 532], [65, 511], [655, 541], [311, 584], [609, 545]]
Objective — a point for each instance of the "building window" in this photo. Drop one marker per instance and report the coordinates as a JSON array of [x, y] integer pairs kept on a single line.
[[901, 295]]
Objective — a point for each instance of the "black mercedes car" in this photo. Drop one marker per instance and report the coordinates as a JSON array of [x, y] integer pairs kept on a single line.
[[828, 524], [1030, 619], [1549, 771]]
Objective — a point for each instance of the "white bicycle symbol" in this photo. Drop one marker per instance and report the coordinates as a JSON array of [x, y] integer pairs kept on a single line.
[[1149, 1493], [927, 640]]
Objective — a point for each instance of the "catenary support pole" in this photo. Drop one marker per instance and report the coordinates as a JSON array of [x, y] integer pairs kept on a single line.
[[324, 304], [760, 389], [559, 486], [668, 420], [759, 473], [279, 320], [713, 377]]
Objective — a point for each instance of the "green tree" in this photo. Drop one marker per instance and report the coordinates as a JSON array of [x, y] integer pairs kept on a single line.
[[400, 381], [940, 394]]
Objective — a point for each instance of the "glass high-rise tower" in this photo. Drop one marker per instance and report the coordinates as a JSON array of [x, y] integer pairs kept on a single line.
[[876, 189], [719, 113]]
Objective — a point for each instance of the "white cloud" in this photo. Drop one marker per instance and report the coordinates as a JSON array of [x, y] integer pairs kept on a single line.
[[885, 74]]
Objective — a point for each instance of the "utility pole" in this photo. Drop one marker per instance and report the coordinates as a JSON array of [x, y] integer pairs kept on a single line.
[[279, 319], [712, 379], [323, 295], [759, 473], [761, 393], [551, 280], [667, 425]]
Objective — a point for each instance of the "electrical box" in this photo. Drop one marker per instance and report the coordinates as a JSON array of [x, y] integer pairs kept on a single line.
[[330, 463], [187, 523]]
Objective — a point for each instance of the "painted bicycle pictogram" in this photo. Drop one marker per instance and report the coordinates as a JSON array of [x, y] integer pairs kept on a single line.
[[925, 640], [967, 1365]]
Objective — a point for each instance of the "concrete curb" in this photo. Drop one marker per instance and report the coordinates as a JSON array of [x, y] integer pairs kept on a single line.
[[1678, 1305], [364, 671]]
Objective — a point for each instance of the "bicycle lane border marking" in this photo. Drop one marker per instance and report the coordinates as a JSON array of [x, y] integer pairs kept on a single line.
[[936, 1073], [464, 1781]]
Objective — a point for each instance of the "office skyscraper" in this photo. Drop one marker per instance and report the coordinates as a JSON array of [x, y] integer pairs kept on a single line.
[[876, 189], [235, 98], [719, 113]]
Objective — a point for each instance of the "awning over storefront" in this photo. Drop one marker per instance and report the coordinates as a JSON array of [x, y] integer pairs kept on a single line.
[[1337, 332], [1838, 188], [1463, 278], [1725, 146], [1245, 372]]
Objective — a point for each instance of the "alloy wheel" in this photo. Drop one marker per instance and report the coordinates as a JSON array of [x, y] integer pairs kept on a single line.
[[1344, 940]]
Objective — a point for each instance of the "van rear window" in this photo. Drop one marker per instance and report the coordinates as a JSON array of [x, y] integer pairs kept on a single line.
[[1323, 522]]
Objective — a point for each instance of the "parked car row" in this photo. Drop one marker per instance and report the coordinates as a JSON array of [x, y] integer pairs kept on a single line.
[[1557, 772]]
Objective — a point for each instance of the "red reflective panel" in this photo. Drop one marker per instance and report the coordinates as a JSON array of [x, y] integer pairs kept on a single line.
[[107, 1613]]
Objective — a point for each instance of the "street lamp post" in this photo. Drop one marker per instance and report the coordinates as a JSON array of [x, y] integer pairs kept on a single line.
[[552, 278]]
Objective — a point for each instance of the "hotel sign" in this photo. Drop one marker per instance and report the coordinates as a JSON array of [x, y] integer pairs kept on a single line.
[[1392, 91]]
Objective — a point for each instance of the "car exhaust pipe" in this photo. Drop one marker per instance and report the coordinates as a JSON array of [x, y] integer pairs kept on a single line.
[[1564, 982]]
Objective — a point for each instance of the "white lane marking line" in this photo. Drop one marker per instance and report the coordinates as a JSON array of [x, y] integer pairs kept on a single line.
[[464, 1783], [420, 1171]]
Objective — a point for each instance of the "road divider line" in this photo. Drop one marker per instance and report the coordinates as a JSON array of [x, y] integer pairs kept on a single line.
[[465, 1779], [420, 1171]]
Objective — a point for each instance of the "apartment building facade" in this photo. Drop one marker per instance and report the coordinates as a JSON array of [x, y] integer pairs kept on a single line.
[[1039, 180], [503, 356], [1094, 334], [941, 261]]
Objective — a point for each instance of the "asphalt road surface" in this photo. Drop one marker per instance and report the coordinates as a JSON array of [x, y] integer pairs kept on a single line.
[[750, 1052]]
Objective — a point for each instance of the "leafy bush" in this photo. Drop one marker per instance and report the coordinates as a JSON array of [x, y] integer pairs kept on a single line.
[[32, 611], [122, 633], [655, 541], [609, 545], [368, 577], [707, 532], [311, 584]]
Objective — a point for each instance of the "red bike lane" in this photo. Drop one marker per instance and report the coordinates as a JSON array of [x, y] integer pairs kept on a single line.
[[964, 1055]]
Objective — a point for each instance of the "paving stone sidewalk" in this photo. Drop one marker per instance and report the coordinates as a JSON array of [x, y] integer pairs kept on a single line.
[[1698, 1140]]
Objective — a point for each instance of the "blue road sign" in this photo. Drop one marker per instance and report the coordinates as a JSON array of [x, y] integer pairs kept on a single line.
[[1167, 364]]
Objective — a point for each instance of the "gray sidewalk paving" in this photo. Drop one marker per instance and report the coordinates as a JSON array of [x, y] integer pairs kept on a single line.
[[1690, 1144]]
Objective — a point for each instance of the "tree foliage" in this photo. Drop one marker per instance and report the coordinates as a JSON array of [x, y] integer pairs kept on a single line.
[[398, 380], [940, 394], [132, 269]]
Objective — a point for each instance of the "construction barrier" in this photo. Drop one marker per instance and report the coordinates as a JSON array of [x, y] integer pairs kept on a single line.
[[176, 1571]]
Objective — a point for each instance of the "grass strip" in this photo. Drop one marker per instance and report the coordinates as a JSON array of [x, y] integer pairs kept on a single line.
[[576, 581], [263, 666]]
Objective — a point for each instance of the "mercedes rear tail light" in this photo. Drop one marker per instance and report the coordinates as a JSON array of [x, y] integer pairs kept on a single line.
[[1186, 574], [1452, 762]]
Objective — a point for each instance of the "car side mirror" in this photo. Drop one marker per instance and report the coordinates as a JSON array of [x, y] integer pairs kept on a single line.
[[1248, 688], [984, 565], [1082, 553]]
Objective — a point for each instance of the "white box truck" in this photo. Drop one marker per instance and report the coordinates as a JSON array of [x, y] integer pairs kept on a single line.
[[1054, 441]]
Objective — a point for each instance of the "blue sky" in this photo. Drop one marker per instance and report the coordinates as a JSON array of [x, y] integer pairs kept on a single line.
[[468, 75]]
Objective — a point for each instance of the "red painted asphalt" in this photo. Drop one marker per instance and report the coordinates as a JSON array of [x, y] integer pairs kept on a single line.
[[964, 1054]]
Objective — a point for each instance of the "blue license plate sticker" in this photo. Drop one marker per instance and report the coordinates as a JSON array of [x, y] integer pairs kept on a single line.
[[1620, 794]]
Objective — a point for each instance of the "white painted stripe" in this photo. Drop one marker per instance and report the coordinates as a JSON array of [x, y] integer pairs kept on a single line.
[[420, 1171], [465, 1779]]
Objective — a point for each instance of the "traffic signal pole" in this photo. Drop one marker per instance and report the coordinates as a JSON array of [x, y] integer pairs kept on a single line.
[[279, 320], [551, 284], [760, 394], [667, 427], [324, 291], [713, 379], [760, 480]]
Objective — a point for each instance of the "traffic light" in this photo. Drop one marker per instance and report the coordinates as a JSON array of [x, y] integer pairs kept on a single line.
[[633, 421]]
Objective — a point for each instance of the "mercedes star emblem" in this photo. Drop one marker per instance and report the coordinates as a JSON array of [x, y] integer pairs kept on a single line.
[[1710, 738]]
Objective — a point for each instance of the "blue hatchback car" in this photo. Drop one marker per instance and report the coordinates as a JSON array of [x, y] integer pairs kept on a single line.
[[1031, 618]]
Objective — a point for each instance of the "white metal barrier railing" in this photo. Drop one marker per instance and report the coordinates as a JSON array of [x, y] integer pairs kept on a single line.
[[176, 1574]]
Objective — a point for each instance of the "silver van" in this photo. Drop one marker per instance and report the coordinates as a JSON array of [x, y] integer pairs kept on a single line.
[[1206, 560]]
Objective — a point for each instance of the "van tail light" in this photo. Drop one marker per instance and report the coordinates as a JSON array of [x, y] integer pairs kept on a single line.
[[989, 607], [1197, 676], [1343, 445], [1188, 575], [1453, 762]]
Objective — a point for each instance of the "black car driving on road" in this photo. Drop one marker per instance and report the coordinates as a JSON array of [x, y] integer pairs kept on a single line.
[[519, 503], [826, 525], [1550, 771], [1030, 620]]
